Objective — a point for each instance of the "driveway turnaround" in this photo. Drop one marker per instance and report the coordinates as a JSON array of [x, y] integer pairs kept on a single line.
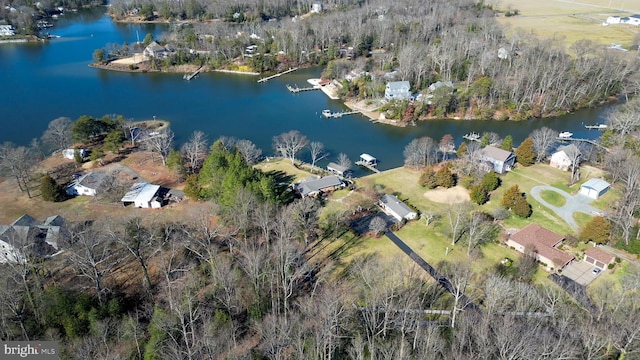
[[574, 203]]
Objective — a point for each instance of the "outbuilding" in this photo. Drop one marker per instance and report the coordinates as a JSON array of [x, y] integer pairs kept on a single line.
[[594, 188], [143, 195], [598, 258], [339, 169]]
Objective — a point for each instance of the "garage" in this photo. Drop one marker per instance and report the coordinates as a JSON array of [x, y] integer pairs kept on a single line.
[[594, 188]]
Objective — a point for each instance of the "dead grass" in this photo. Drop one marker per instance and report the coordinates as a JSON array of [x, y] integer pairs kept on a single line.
[[454, 195]]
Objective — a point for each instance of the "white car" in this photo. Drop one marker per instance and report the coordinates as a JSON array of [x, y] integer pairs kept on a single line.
[[596, 271]]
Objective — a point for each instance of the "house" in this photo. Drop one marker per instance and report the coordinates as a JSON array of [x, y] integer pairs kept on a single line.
[[143, 195], [594, 188], [565, 155], [632, 20], [312, 187], [501, 160], [316, 7], [27, 234], [541, 242], [7, 30], [338, 169], [155, 50], [87, 184], [71, 153], [598, 258], [391, 205], [613, 20], [397, 90], [439, 84]]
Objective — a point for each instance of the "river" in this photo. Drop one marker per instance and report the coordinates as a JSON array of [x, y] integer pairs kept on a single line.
[[43, 81]]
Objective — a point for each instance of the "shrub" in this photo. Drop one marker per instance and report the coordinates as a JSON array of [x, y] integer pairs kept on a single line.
[[479, 194], [611, 266], [597, 230], [445, 178], [428, 178], [490, 181]]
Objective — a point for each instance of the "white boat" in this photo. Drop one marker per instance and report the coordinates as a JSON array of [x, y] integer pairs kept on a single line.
[[326, 113], [565, 135]]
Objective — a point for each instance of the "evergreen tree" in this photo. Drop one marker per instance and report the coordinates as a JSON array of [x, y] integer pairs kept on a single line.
[[479, 194], [521, 207], [51, 190], [597, 230], [445, 178], [490, 181], [428, 178], [510, 197], [113, 141], [192, 187], [507, 143], [525, 153], [462, 150], [484, 140]]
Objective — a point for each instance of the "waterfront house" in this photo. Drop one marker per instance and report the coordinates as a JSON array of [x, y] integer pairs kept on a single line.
[[565, 155], [397, 90], [7, 30], [500, 160], [26, 234], [542, 243], [338, 169], [312, 187], [391, 205], [143, 195], [87, 184], [615, 19], [71, 153], [155, 50], [594, 188], [598, 258]]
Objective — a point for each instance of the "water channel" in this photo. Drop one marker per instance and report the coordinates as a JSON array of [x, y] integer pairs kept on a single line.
[[43, 81]]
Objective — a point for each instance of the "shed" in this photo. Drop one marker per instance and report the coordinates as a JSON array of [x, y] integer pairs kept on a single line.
[[594, 188], [391, 205], [143, 195], [598, 258], [338, 169], [368, 159]]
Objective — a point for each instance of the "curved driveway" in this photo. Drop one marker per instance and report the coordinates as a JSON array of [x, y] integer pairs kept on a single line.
[[574, 203]]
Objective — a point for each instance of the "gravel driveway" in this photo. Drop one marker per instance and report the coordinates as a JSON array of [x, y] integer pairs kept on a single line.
[[574, 203]]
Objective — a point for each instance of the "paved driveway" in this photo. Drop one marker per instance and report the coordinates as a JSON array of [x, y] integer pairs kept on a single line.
[[580, 272], [574, 203]]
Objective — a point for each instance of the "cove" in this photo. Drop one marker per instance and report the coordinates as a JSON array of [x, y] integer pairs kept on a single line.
[[43, 81]]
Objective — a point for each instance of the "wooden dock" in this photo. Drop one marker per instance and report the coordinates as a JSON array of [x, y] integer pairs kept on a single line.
[[192, 75], [592, 142], [328, 114], [276, 75], [367, 165], [597, 127], [297, 89], [472, 137]]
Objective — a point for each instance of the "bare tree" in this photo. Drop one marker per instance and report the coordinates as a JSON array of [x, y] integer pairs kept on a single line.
[[446, 145], [477, 230], [194, 151], [543, 140], [457, 214], [58, 133], [18, 162], [249, 151], [420, 153], [160, 144], [228, 142], [343, 160], [318, 153], [289, 144], [377, 225], [132, 131]]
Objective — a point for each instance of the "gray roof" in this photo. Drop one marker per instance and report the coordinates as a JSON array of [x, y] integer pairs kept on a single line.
[[596, 184], [399, 86], [141, 191], [155, 47], [395, 205], [336, 167], [496, 153], [310, 186], [92, 180], [569, 149]]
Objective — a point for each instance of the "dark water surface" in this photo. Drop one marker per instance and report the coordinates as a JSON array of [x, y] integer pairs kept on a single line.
[[43, 81]]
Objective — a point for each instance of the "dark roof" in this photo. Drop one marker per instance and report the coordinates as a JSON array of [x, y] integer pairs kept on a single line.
[[92, 180], [395, 205], [496, 153], [309, 186]]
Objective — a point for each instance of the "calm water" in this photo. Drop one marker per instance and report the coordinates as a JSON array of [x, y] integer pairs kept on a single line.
[[44, 81]]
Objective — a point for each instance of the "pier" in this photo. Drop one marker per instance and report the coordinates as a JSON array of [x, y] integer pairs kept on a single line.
[[597, 127], [192, 75], [369, 162], [583, 140], [328, 114], [297, 89], [276, 75], [368, 166], [472, 137]]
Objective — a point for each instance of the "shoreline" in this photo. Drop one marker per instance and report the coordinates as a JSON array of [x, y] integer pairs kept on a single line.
[[236, 72]]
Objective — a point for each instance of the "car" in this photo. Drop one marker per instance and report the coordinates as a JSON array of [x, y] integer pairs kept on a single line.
[[596, 271]]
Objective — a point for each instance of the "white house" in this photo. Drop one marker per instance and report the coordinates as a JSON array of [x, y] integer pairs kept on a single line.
[[316, 7], [501, 160], [613, 20], [87, 184], [143, 195], [564, 157], [71, 153], [338, 169], [6, 30], [398, 90], [633, 20], [391, 205], [594, 188]]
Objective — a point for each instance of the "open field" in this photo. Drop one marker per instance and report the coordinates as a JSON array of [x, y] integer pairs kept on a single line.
[[285, 166], [573, 20]]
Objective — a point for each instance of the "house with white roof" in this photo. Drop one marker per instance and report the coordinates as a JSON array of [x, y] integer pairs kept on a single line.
[[391, 205], [143, 195], [7, 30], [397, 90]]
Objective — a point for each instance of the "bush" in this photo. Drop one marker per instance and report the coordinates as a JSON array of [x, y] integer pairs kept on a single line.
[[428, 178], [611, 266], [445, 178], [490, 181]]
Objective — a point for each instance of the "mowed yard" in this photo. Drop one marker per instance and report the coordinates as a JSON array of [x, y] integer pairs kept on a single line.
[[572, 20]]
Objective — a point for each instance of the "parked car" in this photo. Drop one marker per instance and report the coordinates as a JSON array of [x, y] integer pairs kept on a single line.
[[596, 271]]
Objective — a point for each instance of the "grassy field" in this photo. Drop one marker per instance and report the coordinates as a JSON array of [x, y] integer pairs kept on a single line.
[[284, 166], [553, 198], [573, 21]]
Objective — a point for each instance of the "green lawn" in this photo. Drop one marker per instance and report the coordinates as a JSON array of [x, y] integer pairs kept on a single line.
[[284, 166], [553, 198], [582, 219]]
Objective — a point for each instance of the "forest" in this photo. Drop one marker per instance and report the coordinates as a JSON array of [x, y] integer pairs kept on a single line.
[[494, 76]]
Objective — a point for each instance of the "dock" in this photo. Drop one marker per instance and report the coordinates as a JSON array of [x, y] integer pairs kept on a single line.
[[589, 141], [328, 114], [276, 75], [472, 137], [297, 89], [368, 166], [597, 127], [192, 75]]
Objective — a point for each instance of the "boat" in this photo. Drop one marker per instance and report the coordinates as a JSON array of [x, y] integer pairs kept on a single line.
[[565, 135], [326, 113], [597, 126]]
